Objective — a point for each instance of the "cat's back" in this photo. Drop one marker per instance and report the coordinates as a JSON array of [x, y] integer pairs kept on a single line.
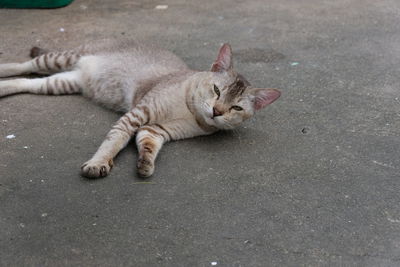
[[115, 73], [132, 53]]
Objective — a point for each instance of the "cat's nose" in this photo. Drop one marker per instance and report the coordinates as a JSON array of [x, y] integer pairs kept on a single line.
[[216, 112]]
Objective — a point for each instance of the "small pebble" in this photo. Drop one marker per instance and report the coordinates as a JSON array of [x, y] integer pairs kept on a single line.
[[305, 130], [161, 7]]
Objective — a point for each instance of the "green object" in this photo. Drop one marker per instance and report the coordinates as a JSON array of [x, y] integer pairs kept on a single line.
[[34, 3]]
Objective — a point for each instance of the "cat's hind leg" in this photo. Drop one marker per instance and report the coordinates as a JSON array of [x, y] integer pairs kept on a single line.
[[47, 63], [58, 84]]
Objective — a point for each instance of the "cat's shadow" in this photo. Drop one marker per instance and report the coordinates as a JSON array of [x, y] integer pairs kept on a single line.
[[219, 141], [216, 138]]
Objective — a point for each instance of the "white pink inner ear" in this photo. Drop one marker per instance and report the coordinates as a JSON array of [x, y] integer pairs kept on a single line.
[[224, 59], [264, 97]]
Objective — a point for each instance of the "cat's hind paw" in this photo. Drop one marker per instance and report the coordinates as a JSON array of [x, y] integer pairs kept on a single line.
[[9, 69], [145, 167], [96, 169]]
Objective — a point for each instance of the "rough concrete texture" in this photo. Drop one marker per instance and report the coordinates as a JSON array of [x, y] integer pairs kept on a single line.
[[313, 180]]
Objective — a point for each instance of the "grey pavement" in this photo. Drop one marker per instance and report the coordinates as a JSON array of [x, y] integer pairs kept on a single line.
[[313, 180]]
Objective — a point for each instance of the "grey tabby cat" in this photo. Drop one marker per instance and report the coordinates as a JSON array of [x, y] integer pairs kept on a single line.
[[161, 97]]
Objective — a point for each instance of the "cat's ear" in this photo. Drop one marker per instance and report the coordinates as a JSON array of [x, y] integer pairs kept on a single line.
[[224, 59], [264, 97]]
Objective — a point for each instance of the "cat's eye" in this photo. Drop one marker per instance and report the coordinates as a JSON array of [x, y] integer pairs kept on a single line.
[[237, 108], [216, 90]]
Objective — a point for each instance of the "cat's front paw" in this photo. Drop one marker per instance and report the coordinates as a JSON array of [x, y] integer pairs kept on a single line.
[[145, 167], [96, 169]]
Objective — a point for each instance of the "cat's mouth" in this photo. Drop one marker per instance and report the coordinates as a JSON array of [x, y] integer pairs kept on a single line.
[[208, 116], [209, 113], [210, 121]]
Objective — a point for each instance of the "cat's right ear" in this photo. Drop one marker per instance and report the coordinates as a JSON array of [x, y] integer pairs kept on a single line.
[[224, 59], [264, 97]]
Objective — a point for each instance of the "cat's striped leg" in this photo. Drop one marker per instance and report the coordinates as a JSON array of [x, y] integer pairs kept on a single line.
[[58, 84], [150, 139], [46, 64], [117, 138]]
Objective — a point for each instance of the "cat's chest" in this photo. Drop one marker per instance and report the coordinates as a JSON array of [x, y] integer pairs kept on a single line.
[[168, 103], [174, 103]]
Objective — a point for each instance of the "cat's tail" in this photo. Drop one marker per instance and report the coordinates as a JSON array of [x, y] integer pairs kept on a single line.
[[37, 51]]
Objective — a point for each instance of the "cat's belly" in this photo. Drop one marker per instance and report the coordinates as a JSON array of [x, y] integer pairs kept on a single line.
[[119, 81], [107, 84]]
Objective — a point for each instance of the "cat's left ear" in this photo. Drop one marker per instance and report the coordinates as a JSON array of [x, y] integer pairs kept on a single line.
[[264, 97], [224, 59]]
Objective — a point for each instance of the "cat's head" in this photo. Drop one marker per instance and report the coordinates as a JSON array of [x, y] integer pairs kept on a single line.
[[225, 98]]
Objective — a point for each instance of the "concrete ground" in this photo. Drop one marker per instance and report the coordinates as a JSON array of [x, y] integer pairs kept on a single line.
[[313, 180]]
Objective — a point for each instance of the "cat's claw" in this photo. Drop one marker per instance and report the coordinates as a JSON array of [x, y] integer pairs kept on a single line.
[[96, 169], [145, 167]]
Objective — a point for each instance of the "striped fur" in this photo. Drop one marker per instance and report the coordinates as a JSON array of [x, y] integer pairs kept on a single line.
[[43, 64], [149, 141], [162, 99], [59, 84], [55, 62]]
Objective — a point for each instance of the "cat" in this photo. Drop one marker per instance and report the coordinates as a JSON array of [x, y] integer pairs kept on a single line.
[[161, 97]]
